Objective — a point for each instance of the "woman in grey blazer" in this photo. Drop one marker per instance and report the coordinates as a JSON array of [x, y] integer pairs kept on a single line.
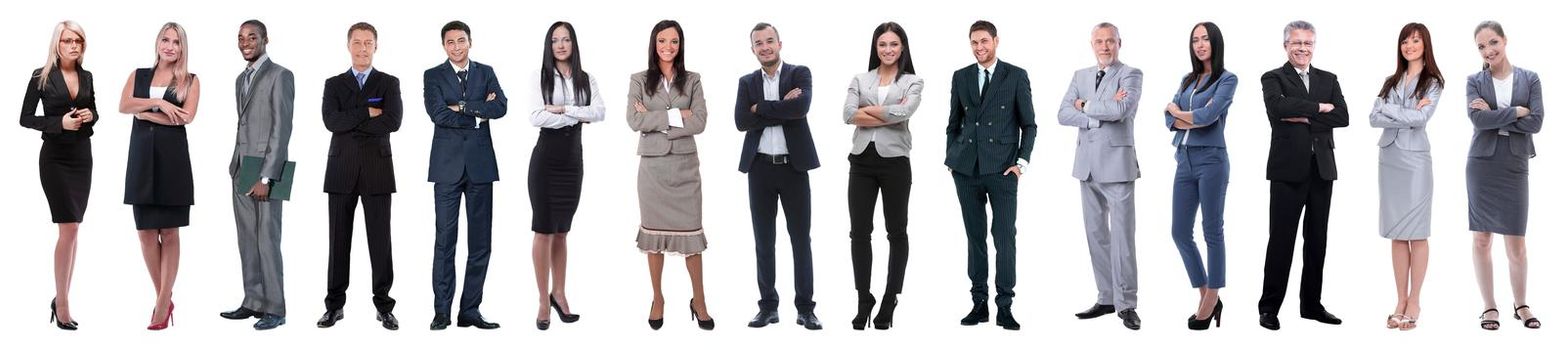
[[879, 103], [668, 108], [1505, 106], [1405, 103]]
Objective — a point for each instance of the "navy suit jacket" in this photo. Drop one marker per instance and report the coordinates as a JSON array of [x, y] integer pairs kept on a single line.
[[359, 161], [987, 134], [790, 114], [462, 143]]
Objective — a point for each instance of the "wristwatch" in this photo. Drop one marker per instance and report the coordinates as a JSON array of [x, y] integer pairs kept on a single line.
[[461, 107]]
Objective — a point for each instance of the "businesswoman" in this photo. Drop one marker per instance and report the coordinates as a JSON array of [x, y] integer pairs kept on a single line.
[[668, 108], [1406, 171], [158, 183], [70, 109], [1504, 103], [569, 99], [1197, 116], [879, 103]]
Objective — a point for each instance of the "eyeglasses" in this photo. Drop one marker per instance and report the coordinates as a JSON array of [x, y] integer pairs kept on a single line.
[[1300, 43], [76, 41]]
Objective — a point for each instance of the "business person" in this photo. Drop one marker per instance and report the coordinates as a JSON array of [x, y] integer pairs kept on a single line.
[[461, 97], [1197, 116], [1304, 104], [1504, 103], [158, 181], [1406, 170], [880, 103], [666, 105], [1100, 103], [772, 109], [987, 143], [361, 107], [264, 93], [70, 109], [567, 100]]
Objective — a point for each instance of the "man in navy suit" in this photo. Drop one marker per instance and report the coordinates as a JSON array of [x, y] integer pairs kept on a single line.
[[987, 144], [771, 108], [461, 97]]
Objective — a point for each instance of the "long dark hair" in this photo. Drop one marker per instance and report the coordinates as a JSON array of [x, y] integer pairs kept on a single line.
[[1216, 59], [654, 74], [903, 63], [578, 77], [1430, 74]]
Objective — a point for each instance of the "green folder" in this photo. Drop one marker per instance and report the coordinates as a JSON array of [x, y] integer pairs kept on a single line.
[[250, 173]]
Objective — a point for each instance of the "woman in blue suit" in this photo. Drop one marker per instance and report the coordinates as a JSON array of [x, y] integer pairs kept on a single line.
[[1196, 116]]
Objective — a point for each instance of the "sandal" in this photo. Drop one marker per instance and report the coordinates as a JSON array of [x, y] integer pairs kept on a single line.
[[1492, 325], [1408, 323], [1394, 321], [1531, 322]]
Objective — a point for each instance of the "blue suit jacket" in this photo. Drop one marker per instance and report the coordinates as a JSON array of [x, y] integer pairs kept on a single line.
[[461, 141], [790, 114]]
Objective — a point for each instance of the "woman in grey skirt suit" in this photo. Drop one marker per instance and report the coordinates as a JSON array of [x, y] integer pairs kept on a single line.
[[1505, 106], [668, 108], [1406, 171]]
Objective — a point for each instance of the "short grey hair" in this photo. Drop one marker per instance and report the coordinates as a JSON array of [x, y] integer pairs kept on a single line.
[[1109, 26], [1295, 25]]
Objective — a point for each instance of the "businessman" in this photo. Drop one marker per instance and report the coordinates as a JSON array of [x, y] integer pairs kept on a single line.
[[461, 97], [1100, 103], [987, 144], [361, 107]]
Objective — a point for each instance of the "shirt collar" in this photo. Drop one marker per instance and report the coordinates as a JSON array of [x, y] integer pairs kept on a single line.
[[772, 76], [454, 68], [259, 61], [366, 72]]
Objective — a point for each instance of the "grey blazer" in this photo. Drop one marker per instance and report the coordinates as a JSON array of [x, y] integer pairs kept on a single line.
[[1486, 124], [1105, 144], [657, 138], [1403, 122], [894, 139], [265, 119]]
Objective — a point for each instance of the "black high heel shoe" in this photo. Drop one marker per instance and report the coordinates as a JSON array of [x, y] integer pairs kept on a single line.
[[865, 305], [882, 321], [568, 318], [1216, 315], [655, 323], [706, 324], [54, 318]]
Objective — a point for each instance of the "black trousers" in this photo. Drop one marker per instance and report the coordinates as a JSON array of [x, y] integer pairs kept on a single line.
[[869, 177], [996, 192], [768, 184], [1289, 200], [377, 221]]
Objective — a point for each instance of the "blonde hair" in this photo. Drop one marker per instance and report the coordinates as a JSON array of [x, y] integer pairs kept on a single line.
[[181, 71], [52, 61]]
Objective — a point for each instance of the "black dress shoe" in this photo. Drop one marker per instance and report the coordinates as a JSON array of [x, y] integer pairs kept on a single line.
[[979, 313], [1095, 311], [1007, 320], [269, 322], [656, 324], [329, 319], [1131, 319], [476, 321], [440, 322], [809, 321], [240, 314], [1322, 316], [543, 325], [764, 318], [1269, 321], [69, 326], [568, 318], [388, 321], [706, 324]]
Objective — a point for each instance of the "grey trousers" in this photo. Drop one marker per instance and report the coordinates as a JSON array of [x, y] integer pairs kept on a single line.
[[259, 225], [1109, 212]]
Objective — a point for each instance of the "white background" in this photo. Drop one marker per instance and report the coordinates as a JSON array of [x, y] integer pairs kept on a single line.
[[112, 296]]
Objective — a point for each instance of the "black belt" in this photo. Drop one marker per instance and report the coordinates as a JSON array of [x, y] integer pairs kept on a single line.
[[773, 159]]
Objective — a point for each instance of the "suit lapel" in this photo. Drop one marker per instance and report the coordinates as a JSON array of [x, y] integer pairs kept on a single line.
[[255, 79], [993, 83], [894, 92], [1109, 75], [1521, 91], [1485, 89]]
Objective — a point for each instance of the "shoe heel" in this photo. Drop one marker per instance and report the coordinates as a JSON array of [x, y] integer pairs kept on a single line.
[[1217, 314]]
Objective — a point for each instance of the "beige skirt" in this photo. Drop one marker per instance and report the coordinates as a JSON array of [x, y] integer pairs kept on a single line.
[[669, 187]]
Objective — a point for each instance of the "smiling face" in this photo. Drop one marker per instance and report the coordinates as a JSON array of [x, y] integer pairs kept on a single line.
[[1300, 47], [362, 46], [456, 45], [668, 45], [1200, 42], [766, 46], [71, 47], [560, 42], [983, 45], [169, 47], [1491, 46], [251, 45], [1412, 47], [1105, 44], [888, 48]]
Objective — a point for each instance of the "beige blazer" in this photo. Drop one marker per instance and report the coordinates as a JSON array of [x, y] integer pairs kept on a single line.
[[657, 138]]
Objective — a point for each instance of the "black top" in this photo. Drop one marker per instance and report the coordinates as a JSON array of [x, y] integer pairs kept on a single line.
[[157, 170], [57, 101]]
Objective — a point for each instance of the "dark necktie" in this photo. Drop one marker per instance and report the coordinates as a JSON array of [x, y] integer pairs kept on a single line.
[[983, 91], [1100, 73], [461, 80]]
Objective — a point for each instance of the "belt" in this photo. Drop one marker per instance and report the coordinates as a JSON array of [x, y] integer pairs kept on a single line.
[[773, 159]]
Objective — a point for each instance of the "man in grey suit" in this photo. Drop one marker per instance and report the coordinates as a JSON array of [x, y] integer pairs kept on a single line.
[[264, 93], [1101, 102]]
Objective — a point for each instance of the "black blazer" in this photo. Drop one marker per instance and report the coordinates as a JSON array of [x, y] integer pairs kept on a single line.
[[359, 161], [988, 134], [790, 114], [1292, 144], [56, 100]]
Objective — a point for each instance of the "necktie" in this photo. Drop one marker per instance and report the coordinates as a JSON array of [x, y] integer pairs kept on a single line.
[[248, 74], [983, 90], [461, 79], [1100, 73], [1305, 76], [361, 77]]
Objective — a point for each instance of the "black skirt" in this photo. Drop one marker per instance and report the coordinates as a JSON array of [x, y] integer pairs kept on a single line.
[[65, 169], [554, 179]]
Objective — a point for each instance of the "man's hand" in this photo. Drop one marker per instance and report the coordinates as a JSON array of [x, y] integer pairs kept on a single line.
[[1327, 108], [260, 191], [375, 112], [1014, 169], [792, 94], [1299, 120]]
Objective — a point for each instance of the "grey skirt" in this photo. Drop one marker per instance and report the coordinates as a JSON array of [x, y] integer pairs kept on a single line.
[[669, 187], [1406, 194], [1496, 191]]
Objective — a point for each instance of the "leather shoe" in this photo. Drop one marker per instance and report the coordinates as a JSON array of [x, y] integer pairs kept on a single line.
[[329, 319], [809, 321], [766, 317], [440, 322], [1007, 320], [1322, 316], [979, 313], [1096, 311], [1269, 321], [388, 321], [1131, 319], [477, 321], [239, 314], [269, 322]]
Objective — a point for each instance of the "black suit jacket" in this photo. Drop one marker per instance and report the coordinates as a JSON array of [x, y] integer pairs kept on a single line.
[[359, 161], [1293, 144], [790, 114], [987, 134]]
